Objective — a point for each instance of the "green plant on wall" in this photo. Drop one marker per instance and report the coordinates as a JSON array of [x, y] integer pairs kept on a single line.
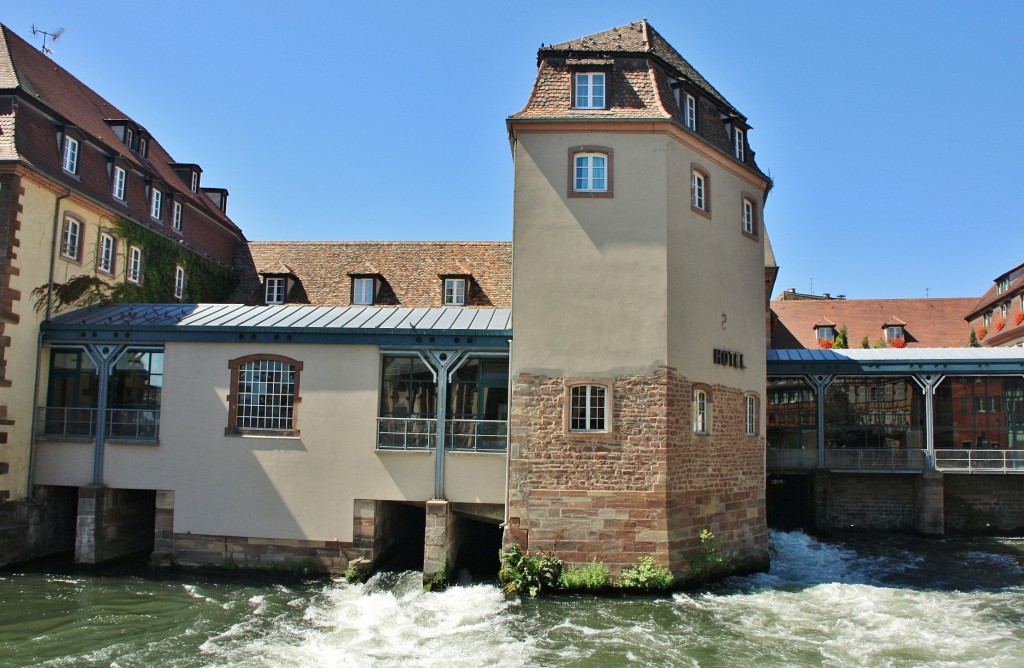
[[205, 281]]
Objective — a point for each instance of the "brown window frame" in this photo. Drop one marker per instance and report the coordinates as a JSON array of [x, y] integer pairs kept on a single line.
[[235, 365]]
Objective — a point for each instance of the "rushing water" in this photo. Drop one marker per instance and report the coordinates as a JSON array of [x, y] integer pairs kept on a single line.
[[892, 601]]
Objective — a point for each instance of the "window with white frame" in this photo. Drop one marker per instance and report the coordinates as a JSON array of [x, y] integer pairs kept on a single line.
[[591, 172], [179, 282], [264, 395], [143, 146], [699, 190], [1004, 310], [120, 179], [364, 289], [176, 217], [987, 319], [70, 158], [751, 411], [71, 240], [690, 111], [129, 138], [737, 143], [156, 204], [590, 90], [1003, 284], [893, 332], [588, 408], [826, 333], [135, 264], [106, 255], [748, 216], [275, 290], [195, 181], [701, 412], [454, 292]]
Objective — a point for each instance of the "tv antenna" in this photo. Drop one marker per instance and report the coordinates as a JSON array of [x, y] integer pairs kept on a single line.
[[54, 36]]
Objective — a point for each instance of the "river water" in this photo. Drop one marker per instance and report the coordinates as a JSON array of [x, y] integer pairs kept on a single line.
[[863, 601]]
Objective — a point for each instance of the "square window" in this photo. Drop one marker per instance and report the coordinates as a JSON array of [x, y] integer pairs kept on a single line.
[[120, 179], [827, 333], [176, 218], [588, 408], [135, 264], [893, 332], [363, 291], [454, 292], [105, 259], [156, 204], [738, 145], [690, 111], [71, 239], [179, 282], [699, 188], [275, 293], [590, 90], [70, 159]]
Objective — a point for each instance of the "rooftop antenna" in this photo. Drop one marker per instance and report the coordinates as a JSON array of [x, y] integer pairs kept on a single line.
[[54, 36]]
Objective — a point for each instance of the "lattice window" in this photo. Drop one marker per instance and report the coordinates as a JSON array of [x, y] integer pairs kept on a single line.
[[265, 397]]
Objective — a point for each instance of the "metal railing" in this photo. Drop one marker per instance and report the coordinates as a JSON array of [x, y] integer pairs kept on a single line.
[[477, 435], [129, 424], [792, 458], [406, 433], [963, 460], [875, 459]]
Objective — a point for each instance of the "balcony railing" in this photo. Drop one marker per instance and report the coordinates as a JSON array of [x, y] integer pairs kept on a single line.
[[477, 435], [875, 459], [792, 458], [962, 460], [406, 433], [129, 424]]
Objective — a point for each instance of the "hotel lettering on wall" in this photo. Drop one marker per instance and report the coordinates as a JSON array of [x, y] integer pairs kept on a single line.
[[729, 358]]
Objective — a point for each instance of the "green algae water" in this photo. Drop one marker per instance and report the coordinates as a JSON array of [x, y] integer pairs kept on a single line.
[[865, 601]]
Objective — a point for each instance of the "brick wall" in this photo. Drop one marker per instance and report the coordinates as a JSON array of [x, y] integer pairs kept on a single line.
[[647, 488], [10, 208], [866, 501]]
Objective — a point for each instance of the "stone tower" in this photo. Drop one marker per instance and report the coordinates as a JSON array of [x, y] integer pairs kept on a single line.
[[637, 366]]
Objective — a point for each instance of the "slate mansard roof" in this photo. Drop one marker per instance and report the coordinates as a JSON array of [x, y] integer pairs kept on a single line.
[[645, 70], [410, 272], [40, 83]]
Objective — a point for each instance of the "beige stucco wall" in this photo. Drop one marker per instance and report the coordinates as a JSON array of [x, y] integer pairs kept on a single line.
[[715, 273], [299, 488], [36, 241], [589, 274]]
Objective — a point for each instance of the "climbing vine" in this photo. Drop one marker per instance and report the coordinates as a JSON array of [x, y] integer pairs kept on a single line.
[[205, 281]]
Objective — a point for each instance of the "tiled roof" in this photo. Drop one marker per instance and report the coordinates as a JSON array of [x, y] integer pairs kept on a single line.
[[40, 79], [930, 323], [643, 68], [993, 297], [410, 271]]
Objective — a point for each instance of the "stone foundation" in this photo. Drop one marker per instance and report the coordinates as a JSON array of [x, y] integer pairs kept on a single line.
[[647, 488], [112, 523], [984, 503]]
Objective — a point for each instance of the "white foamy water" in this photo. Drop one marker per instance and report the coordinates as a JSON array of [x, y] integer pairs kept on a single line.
[[871, 601]]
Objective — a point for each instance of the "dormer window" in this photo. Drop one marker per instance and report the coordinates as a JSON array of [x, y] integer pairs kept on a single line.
[[1003, 284], [987, 319], [826, 333], [176, 217], [364, 290], [275, 290], [143, 146], [156, 204], [590, 90], [69, 160], [120, 180], [738, 145], [129, 139], [455, 292], [893, 332], [195, 182], [690, 111]]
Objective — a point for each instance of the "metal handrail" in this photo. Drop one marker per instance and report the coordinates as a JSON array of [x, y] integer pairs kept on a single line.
[[406, 433], [964, 460], [875, 459], [477, 435], [129, 424]]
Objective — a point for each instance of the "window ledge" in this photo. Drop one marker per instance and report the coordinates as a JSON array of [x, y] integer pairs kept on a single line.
[[294, 436]]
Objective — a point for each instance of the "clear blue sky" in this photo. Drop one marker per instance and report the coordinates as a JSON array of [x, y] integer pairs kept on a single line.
[[892, 129]]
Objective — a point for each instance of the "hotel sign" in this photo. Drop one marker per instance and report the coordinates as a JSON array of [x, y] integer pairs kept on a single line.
[[729, 358]]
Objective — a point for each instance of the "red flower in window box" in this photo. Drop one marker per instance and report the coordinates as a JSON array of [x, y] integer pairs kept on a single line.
[[898, 342], [1000, 324], [824, 343], [982, 332], [1019, 318]]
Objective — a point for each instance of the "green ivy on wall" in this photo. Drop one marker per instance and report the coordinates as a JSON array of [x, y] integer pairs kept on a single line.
[[205, 281]]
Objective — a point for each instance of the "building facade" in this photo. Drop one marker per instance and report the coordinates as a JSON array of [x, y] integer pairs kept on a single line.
[[639, 308]]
